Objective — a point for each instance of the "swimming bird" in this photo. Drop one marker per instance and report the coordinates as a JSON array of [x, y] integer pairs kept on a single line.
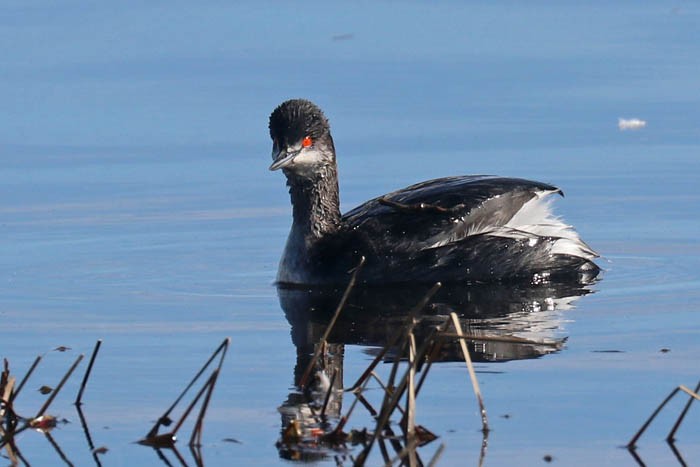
[[470, 228]]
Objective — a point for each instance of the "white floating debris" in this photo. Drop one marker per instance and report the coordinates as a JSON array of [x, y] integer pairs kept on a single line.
[[630, 124]]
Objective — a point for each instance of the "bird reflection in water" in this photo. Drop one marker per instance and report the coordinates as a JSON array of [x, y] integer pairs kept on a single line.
[[503, 321]]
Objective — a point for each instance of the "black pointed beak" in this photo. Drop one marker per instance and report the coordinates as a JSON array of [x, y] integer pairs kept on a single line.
[[283, 158]]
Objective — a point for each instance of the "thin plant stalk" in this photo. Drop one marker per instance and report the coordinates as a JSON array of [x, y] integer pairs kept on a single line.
[[222, 349], [472, 373], [390, 406], [196, 437], [398, 335], [184, 416], [79, 397], [26, 377], [693, 395], [59, 387], [410, 434], [633, 442], [411, 391]]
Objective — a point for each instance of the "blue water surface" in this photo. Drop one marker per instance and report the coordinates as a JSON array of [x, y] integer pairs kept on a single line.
[[136, 206]]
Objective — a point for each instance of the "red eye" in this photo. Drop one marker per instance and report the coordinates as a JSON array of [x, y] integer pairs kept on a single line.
[[307, 142]]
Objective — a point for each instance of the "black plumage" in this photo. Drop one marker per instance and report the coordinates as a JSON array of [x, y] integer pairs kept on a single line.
[[455, 229]]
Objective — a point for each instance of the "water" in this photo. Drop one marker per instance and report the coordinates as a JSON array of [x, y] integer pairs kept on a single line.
[[136, 206]]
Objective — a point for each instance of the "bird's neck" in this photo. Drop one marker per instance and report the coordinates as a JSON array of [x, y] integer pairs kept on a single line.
[[315, 204]]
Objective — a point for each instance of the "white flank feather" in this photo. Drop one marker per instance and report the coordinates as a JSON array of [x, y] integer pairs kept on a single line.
[[535, 219]]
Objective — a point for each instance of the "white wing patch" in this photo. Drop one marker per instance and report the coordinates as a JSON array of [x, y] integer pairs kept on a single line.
[[535, 219], [531, 222]]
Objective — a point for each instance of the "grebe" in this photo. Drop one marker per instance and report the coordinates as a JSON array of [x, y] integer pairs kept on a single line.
[[471, 229]]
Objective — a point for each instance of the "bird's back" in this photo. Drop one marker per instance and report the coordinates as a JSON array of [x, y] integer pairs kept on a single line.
[[469, 228]]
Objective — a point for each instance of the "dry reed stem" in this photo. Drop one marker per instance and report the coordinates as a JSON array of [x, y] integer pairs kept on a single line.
[[410, 433], [693, 395], [398, 335], [189, 408], [59, 387], [26, 377], [196, 436], [411, 390], [79, 397], [632, 445], [165, 418], [633, 442], [390, 403], [431, 355], [472, 373]]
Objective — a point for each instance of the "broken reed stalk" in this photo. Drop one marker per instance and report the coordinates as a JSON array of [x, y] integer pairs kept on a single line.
[[196, 436], [26, 377], [59, 387], [693, 395], [435, 347], [390, 404], [165, 418], [410, 433], [411, 390], [317, 354], [472, 373], [397, 336], [406, 331], [207, 385], [79, 397]]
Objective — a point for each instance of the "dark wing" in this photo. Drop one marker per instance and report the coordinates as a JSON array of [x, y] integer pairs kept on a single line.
[[443, 210], [454, 229]]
